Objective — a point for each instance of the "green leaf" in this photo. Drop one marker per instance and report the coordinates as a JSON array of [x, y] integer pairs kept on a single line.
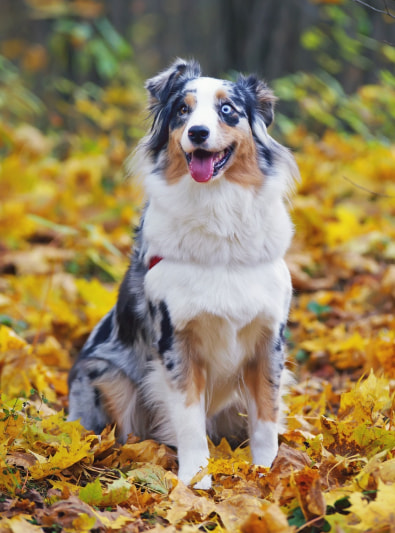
[[113, 38], [297, 518], [150, 476], [59, 228], [301, 356], [318, 309], [92, 493]]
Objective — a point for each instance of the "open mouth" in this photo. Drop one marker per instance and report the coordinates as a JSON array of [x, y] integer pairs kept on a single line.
[[204, 165]]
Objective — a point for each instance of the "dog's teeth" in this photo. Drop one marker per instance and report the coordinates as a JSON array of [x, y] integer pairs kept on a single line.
[[219, 156]]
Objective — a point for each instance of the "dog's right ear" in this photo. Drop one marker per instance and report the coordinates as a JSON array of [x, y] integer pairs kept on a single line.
[[161, 86]]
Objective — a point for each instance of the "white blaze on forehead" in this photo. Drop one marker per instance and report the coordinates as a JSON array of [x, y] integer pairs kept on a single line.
[[205, 91], [205, 87]]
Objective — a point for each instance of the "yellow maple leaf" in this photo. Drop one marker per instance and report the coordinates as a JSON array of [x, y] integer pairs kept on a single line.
[[84, 522], [20, 370], [19, 524], [346, 226], [366, 401], [376, 515], [9, 340], [380, 352], [99, 298], [67, 454]]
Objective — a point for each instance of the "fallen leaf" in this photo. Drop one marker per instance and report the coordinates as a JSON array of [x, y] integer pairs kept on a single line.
[[377, 514], [310, 497]]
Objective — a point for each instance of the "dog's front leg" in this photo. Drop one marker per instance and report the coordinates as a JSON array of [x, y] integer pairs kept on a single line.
[[262, 379], [185, 410], [189, 422]]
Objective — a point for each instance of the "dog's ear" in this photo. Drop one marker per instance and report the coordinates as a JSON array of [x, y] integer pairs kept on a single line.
[[161, 86], [263, 97]]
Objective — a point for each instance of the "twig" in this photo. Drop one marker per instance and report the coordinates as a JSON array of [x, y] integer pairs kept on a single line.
[[384, 12], [368, 190], [310, 523]]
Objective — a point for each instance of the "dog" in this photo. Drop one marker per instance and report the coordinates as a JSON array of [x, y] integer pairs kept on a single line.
[[195, 343]]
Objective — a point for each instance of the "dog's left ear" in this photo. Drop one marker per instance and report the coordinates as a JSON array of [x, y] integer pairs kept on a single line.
[[263, 98], [162, 86]]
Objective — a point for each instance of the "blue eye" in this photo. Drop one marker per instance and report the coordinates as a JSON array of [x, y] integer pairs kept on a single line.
[[226, 109]]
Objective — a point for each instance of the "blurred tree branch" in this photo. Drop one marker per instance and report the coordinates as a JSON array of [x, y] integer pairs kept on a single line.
[[385, 11]]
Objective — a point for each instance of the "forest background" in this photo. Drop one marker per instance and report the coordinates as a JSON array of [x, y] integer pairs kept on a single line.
[[72, 109]]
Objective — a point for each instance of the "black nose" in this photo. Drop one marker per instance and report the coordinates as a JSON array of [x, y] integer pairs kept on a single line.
[[198, 134]]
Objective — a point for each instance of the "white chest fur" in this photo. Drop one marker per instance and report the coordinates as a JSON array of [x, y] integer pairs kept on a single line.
[[222, 247], [229, 308], [237, 294], [218, 223]]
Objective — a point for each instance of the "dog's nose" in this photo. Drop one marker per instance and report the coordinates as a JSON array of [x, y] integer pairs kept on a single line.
[[198, 134]]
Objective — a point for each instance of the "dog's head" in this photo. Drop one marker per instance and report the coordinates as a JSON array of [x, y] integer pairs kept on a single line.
[[209, 127]]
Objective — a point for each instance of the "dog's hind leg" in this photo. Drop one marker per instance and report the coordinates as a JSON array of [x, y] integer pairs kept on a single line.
[[85, 400], [100, 393]]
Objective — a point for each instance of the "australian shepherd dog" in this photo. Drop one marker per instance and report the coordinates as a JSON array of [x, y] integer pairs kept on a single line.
[[195, 343]]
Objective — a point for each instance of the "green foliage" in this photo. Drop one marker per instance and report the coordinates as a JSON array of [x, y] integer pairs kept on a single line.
[[319, 103], [97, 46], [343, 38], [15, 98], [341, 42], [85, 76]]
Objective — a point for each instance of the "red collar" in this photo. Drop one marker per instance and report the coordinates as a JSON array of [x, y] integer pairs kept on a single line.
[[154, 261]]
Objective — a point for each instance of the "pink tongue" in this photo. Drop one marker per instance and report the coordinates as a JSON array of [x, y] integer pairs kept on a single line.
[[201, 168]]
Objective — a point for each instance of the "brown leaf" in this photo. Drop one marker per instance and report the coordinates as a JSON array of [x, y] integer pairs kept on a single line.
[[311, 499], [288, 461], [250, 515], [272, 520], [185, 502], [25, 460], [38, 260], [65, 512], [149, 451]]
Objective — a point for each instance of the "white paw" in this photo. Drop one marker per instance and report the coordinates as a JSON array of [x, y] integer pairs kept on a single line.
[[203, 484], [264, 457], [264, 443], [198, 479]]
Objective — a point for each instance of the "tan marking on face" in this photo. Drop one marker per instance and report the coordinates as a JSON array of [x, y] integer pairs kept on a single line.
[[176, 163], [221, 94], [243, 168], [256, 379], [190, 100]]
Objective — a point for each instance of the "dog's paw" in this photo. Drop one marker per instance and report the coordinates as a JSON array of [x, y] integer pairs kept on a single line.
[[200, 480], [203, 484], [264, 443]]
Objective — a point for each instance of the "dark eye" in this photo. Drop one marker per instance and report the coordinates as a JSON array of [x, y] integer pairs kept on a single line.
[[183, 110], [226, 109]]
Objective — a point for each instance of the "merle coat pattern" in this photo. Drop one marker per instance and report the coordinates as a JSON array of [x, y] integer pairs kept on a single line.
[[196, 339]]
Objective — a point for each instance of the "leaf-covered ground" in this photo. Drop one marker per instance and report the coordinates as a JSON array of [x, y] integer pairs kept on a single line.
[[65, 218]]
